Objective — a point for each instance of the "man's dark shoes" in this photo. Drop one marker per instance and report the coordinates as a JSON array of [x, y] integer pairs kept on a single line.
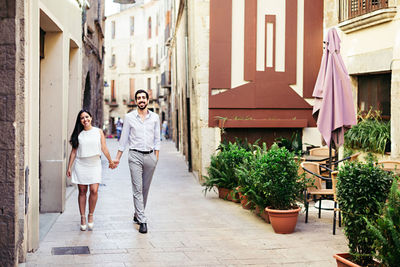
[[143, 228], [135, 220]]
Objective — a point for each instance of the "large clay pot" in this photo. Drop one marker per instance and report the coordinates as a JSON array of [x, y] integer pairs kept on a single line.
[[283, 221], [263, 214], [228, 194], [342, 260]]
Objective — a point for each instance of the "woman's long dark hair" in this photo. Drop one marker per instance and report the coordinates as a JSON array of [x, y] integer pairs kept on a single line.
[[78, 129]]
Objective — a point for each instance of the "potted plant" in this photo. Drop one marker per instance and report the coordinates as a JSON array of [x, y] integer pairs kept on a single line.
[[361, 190], [371, 134], [253, 180], [386, 230], [221, 173], [283, 187]]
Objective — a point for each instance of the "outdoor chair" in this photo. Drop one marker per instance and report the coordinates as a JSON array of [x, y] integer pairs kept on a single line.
[[390, 165], [321, 151], [335, 208], [314, 188]]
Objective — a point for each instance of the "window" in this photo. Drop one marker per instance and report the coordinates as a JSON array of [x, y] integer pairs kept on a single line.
[[148, 83], [149, 90], [157, 55], [113, 98], [374, 92], [131, 89], [132, 25], [131, 58], [157, 24], [149, 28], [149, 60], [112, 29], [349, 9], [112, 60], [158, 87]]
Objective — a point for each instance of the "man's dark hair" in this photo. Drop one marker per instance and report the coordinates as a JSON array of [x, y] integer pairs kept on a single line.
[[141, 91]]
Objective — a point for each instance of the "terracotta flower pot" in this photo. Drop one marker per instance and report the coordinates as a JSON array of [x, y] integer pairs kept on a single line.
[[342, 260], [244, 201], [283, 221], [224, 193], [228, 194], [263, 214]]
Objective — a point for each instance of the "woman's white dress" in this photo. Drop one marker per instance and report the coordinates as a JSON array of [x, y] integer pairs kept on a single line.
[[87, 164]]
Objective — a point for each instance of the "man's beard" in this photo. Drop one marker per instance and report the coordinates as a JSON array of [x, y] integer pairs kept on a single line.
[[141, 108]]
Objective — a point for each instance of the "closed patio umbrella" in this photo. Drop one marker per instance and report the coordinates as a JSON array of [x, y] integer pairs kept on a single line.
[[334, 108]]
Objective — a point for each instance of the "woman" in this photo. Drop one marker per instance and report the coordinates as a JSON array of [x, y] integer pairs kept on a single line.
[[87, 143]]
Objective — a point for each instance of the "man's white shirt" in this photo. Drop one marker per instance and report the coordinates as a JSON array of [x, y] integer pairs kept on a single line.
[[138, 134]]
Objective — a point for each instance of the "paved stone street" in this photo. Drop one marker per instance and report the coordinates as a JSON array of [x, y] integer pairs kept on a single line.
[[185, 227]]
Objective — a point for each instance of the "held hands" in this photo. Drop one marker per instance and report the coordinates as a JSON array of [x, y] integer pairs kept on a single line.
[[113, 164]]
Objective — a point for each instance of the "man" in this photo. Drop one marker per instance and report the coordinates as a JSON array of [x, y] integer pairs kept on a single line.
[[141, 133]]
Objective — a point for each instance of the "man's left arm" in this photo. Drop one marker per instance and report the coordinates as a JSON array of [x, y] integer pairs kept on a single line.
[[157, 134]]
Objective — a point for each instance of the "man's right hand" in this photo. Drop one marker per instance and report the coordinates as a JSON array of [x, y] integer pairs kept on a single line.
[[116, 162]]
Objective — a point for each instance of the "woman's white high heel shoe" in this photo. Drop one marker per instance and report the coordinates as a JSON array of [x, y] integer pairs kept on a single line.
[[90, 224], [83, 226]]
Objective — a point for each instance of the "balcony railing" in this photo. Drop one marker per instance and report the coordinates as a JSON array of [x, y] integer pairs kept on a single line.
[[349, 9]]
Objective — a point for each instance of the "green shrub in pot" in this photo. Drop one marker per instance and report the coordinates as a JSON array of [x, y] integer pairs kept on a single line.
[[252, 178], [386, 230], [221, 172], [283, 185], [361, 189]]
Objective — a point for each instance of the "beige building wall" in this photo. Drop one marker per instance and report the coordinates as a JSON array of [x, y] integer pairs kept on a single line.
[[131, 57], [371, 44], [205, 139], [54, 92], [190, 67]]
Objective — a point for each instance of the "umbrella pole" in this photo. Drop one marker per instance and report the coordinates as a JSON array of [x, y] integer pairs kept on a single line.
[[330, 158]]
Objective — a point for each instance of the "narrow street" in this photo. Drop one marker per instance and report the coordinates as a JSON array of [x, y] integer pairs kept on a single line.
[[185, 227]]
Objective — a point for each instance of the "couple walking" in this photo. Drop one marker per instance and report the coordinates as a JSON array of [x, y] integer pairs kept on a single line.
[[140, 133]]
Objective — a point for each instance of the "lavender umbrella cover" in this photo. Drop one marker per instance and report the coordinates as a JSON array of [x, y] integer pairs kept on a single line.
[[334, 108]]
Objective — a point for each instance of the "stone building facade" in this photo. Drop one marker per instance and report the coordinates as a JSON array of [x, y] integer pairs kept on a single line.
[[93, 27], [41, 74], [133, 52], [12, 111], [370, 47]]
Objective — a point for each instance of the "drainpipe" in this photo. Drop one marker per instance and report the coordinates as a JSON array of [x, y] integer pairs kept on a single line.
[[189, 133]]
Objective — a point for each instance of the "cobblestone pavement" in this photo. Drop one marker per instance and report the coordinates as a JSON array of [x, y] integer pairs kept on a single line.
[[186, 228]]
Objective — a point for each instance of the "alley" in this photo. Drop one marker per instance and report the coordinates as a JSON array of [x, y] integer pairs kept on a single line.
[[185, 227]]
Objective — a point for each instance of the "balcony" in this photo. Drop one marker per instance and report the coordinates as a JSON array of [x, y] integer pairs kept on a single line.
[[113, 103], [354, 8], [147, 64], [166, 79], [359, 14], [129, 102]]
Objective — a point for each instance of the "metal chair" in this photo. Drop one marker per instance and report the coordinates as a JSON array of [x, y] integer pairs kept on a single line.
[[335, 164], [314, 188]]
